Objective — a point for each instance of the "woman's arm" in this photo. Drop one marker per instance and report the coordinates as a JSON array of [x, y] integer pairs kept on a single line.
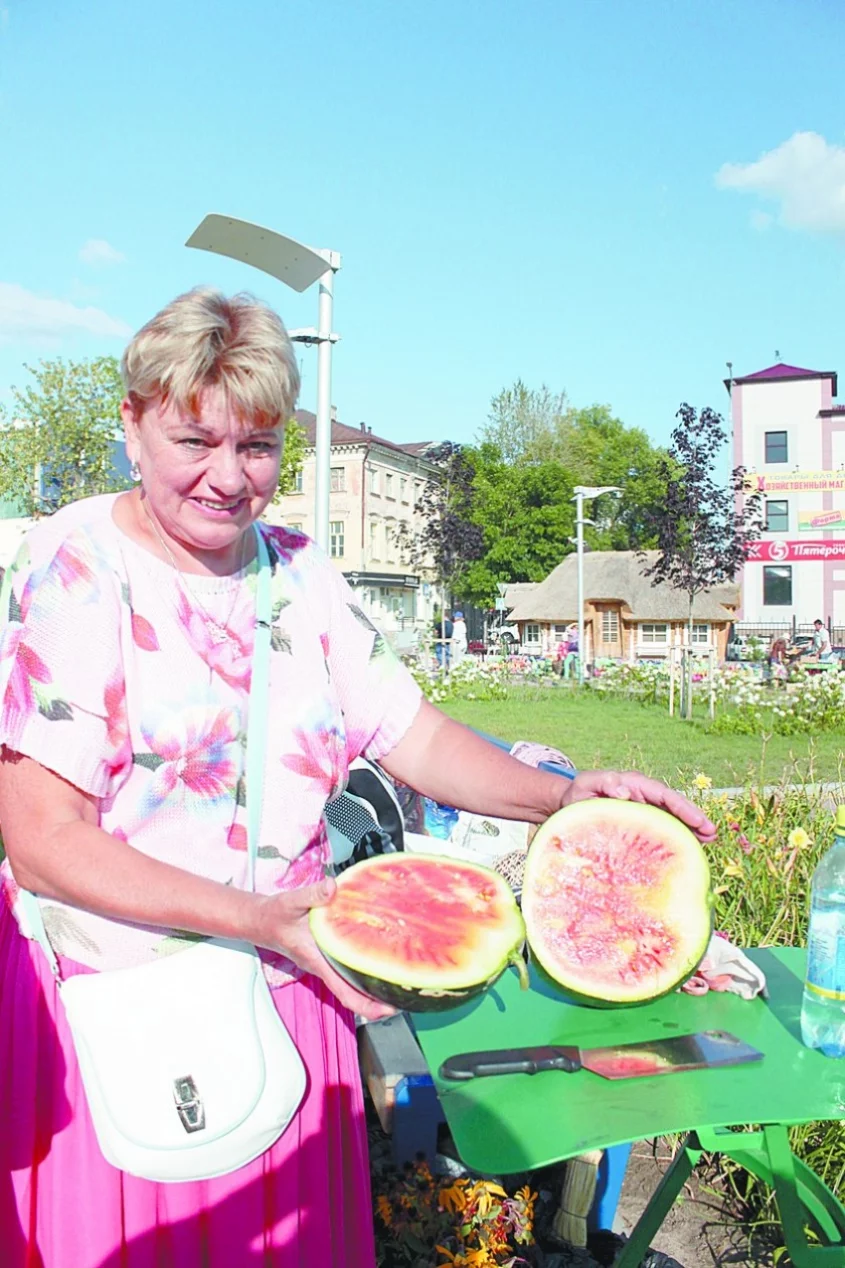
[[56, 849], [450, 763]]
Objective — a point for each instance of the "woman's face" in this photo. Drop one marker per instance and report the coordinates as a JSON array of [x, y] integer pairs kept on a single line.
[[206, 478]]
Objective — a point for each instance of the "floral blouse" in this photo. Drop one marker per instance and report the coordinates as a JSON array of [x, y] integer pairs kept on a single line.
[[110, 677]]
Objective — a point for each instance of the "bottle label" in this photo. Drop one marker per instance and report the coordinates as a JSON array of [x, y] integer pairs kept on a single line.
[[826, 955]]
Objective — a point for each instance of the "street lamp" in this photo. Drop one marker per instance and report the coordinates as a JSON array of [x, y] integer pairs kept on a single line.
[[584, 491], [299, 267]]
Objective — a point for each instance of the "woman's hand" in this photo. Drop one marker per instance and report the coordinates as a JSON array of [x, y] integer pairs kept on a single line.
[[283, 926], [632, 786]]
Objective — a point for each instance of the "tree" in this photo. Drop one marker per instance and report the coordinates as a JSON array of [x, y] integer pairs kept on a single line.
[[445, 539], [527, 518], [703, 527], [293, 455], [58, 445], [523, 422]]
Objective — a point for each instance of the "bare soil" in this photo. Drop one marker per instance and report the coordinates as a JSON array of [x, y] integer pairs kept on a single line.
[[701, 1230]]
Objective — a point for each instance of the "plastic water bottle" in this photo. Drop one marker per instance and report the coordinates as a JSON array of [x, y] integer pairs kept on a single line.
[[439, 818], [823, 1006]]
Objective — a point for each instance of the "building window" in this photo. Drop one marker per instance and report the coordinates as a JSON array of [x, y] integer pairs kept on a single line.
[[336, 539], [374, 539], [388, 485], [777, 586], [776, 446], [777, 517], [338, 480], [654, 634], [610, 626], [297, 482], [295, 526], [559, 631], [532, 634], [701, 634], [390, 543], [403, 488], [373, 485]]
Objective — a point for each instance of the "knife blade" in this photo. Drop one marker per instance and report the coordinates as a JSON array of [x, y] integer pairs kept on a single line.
[[703, 1050]]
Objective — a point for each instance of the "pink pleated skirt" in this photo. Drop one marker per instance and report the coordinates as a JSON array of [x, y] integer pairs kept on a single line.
[[304, 1204]]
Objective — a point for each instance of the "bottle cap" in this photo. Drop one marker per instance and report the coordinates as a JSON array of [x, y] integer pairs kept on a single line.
[[840, 820]]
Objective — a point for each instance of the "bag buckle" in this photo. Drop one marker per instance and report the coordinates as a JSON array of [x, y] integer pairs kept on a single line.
[[189, 1107]]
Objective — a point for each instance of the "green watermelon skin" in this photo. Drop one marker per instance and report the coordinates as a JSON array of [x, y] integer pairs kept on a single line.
[[410, 999]]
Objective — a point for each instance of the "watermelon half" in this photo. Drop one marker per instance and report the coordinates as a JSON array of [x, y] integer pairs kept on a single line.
[[616, 901], [420, 932]]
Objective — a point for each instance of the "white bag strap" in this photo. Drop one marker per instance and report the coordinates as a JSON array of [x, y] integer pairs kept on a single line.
[[255, 748]]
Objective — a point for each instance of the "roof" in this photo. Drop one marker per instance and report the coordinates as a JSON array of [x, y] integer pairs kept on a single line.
[[517, 590], [361, 435], [616, 576], [781, 371]]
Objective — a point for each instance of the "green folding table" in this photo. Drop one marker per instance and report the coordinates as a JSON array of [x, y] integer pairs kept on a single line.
[[511, 1123]]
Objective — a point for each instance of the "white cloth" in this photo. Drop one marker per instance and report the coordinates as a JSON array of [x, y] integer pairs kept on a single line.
[[726, 968]]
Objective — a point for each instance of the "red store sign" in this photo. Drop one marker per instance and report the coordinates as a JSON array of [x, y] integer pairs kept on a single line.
[[791, 552]]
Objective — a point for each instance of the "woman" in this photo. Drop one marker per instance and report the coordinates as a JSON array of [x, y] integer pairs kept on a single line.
[[125, 663]]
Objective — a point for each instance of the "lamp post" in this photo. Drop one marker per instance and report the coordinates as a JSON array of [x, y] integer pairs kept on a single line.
[[584, 491], [299, 267]]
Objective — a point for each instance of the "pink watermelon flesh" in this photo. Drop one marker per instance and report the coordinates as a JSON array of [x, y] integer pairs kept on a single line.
[[419, 931], [616, 901]]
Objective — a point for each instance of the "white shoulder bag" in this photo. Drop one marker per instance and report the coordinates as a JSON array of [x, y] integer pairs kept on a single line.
[[188, 1069]]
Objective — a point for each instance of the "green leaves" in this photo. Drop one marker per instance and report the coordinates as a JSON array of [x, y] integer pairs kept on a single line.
[[57, 445]]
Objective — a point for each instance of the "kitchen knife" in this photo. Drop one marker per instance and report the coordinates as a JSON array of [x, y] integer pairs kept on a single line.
[[704, 1050]]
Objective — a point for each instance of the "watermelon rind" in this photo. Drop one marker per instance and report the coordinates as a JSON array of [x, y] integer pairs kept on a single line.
[[574, 867], [490, 931]]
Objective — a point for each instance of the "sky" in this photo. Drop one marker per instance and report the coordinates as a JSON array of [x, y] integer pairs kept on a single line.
[[609, 197]]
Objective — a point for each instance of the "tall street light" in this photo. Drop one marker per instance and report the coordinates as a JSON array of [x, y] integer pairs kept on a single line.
[[584, 491], [299, 267]]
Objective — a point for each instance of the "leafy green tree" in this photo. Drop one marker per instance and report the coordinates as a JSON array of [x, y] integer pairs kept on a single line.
[[57, 443], [293, 456], [527, 518], [530, 427], [523, 423]]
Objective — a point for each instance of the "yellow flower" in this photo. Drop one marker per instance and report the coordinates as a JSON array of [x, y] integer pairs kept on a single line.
[[733, 869], [702, 781], [385, 1210], [454, 1198], [799, 839]]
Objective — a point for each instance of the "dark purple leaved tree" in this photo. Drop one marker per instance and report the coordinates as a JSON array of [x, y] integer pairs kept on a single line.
[[443, 536], [704, 525]]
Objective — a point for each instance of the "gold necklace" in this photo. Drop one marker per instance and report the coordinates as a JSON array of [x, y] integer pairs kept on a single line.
[[218, 630]]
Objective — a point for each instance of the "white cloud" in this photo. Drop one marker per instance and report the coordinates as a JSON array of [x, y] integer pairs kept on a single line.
[[27, 316], [98, 253], [804, 175]]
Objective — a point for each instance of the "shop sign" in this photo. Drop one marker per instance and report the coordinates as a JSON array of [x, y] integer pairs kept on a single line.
[[796, 481], [820, 521], [780, 552]]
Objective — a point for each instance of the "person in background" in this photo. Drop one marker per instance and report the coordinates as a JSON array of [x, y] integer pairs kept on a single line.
[[821, 641], [459, 638], [443, 630], [777, 661]]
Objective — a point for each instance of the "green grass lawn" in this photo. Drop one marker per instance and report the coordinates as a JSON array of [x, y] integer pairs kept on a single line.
[[599, 731]]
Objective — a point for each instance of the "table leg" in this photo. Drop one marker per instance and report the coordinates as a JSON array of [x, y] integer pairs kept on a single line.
[[802, 1197], [660, 1204]]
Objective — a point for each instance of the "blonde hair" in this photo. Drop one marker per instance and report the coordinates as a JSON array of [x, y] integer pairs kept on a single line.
[[201, 340]]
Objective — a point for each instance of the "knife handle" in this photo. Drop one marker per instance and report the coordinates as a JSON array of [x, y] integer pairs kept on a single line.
[[476, 1065]]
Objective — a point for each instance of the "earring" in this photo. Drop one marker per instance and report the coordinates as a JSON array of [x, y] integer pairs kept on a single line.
[[135, 472]]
